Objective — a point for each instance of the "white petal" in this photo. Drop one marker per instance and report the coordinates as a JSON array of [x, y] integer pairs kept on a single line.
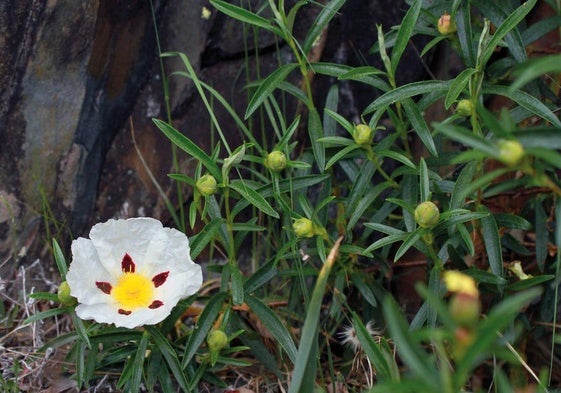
[[108, 313], [180, 285], [114, 238], [85, 269], [168, 247]]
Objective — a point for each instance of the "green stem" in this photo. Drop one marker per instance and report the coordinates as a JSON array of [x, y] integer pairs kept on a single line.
[[370, 155]]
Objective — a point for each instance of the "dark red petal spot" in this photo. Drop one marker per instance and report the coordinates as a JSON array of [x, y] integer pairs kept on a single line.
[[160, 279], [127, 265], [104, 287], [124, 312], [156, 304]]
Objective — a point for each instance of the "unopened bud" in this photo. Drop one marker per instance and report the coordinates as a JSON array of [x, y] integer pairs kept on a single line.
[[510, 152], [64, 296], [216, 340], [446, 25], [464, 108], [303, 227], [207, 185], [363, 135], [276, 161], [465, 309], [463, 339], [427, 214]]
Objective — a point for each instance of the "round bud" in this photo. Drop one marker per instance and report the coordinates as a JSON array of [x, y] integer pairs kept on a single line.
[[465, 309], [427, 214], [464, 108], [64, 296], [446, 25], [303, 227], [216, 340], [510, 152], [207, 185], [276, 161], [363, 134]]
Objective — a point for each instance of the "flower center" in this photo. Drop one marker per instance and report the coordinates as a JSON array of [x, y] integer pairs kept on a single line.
[[133, 291]]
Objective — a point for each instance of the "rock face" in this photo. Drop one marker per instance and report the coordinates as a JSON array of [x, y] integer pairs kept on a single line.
[[81, 82]]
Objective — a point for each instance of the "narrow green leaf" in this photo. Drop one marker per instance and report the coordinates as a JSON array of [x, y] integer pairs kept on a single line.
[[205, 236], [80, 329], [409, 242], [492, 240], [47, 314], [322, 20], [410, 351], [458, 85], [522, 285], [189, 147], [267, 86], [507, 26], [253, 197], [339, 70], [274, 325], [171, 356], [542, 234], [310, 328], [498, 13], [237, 284], [331, 103], [424, 184], [525, 100], [203, 326], [404, 33], [467, 137], [407, 91], [347, 125], [341, 154], [457, 199], [138, 363], [465, 34], [419, 125], [315, 132], [60, 260], [245, 16]]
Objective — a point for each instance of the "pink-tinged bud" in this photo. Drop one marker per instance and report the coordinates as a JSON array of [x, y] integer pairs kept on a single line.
[[465, 309], [446, 25]]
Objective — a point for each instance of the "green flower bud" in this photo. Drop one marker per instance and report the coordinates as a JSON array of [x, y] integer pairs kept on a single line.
[[464, 108], [207, 185], [216, 340], [427, 214], [510, 152], [303, 227], [465, 309], [363, 135], [64, 296], [276, 161], [446, 25]]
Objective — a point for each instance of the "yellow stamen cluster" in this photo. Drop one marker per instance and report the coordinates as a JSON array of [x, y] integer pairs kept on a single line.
[[133, 291]]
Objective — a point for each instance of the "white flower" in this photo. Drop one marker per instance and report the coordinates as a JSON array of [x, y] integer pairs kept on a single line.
[[131, 272], [349, 337]]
